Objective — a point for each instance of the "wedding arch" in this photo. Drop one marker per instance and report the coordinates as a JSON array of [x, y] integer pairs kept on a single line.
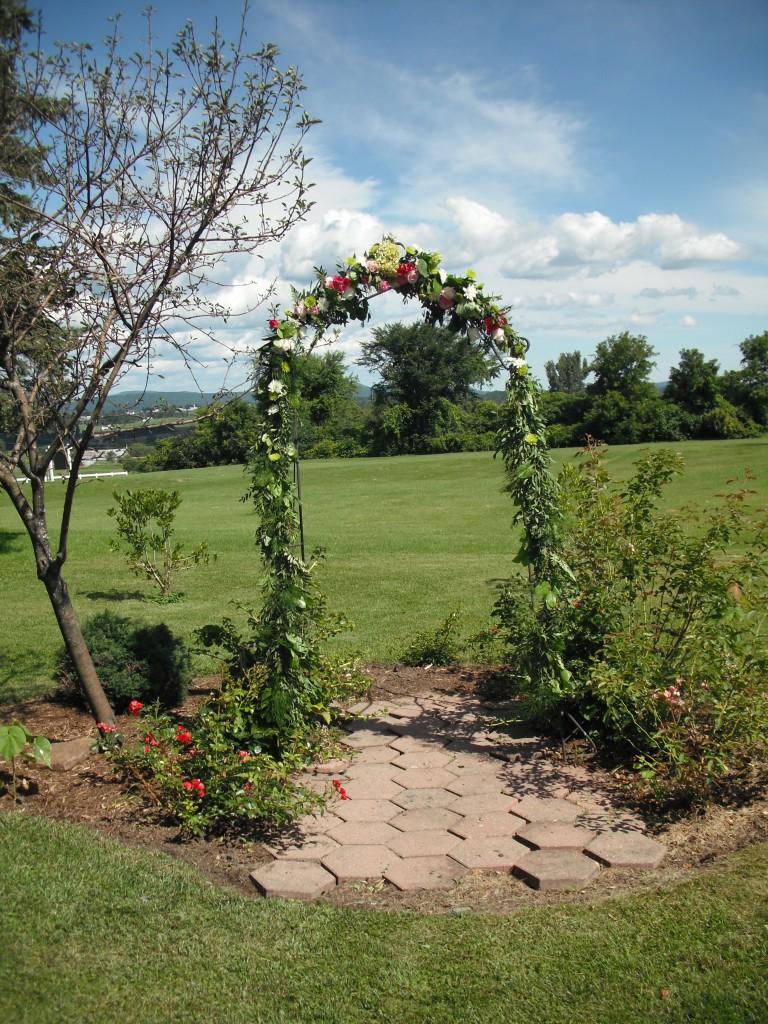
[[455, 301]]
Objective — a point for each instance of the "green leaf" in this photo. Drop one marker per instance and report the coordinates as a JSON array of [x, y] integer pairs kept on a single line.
[[13, 739], [41, 751], [422, 268]]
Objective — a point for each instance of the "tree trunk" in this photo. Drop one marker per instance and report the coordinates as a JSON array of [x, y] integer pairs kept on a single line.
[[76, 645]]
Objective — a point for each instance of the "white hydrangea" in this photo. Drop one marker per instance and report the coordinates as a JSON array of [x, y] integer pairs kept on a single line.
[[276, 388], [470, 292]]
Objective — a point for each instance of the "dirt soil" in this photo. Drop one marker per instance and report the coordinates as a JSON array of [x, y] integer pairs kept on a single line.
[[91, 795]]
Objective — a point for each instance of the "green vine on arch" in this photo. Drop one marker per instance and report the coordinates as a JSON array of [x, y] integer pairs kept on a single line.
[[286, 625]]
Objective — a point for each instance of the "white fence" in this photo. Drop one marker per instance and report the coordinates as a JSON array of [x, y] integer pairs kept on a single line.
[[83, 476]]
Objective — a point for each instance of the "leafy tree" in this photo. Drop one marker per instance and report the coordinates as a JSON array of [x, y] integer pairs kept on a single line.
[[421, 367], [148, 172], [622, 363], [568, 373], [327, 407], [693, 382], [753, 380]]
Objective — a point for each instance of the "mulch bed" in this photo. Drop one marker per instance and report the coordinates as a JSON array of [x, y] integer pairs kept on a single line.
[[91, 795]]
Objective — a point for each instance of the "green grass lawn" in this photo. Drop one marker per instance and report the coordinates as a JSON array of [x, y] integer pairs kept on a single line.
[[96, 932], [408, 540]]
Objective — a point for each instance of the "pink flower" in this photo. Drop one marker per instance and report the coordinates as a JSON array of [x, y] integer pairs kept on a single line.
[[447, 298], [187, 785], [372, 266], [407, 272], [384, 286], [243, 755], [134, 707], [105, 729]]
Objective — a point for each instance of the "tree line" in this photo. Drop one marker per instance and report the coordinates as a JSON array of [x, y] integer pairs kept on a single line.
[[426, 401]]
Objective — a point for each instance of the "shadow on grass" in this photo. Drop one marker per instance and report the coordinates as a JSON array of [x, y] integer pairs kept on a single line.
[[10, 540], [114, 595]]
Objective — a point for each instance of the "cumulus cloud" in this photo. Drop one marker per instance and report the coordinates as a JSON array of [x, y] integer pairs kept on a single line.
[[725, 290], [687, 321], [667, 293], [565, 300], [589, 243]]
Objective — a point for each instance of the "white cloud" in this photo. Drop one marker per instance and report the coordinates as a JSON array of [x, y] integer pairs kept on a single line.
[[565, 300], [667, 293], [688, 321], [725, 290]]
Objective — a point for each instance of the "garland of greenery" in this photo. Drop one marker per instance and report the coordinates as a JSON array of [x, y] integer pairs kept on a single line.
[[454, 301]]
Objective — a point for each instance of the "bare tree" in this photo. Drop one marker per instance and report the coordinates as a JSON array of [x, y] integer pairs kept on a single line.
[[152, 169]]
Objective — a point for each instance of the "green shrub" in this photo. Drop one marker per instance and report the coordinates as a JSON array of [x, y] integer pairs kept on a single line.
[[441, 646], [666, 661], [212, 773], [134, 661]]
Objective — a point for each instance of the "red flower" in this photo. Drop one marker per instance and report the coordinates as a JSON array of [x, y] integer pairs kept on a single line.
[[273, 324], [243, 755], [134, 707], [340, 283], [147, 748], [336, 783], [199, 788], [183, 736], [106, 730], [343, 793], [150, 739], [187, 785]]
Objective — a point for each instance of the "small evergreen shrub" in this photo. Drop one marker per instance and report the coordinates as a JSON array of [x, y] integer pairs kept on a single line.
[[134, 661]]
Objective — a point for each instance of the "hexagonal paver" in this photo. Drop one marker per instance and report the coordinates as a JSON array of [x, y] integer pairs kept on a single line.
[[293, 880], [375, 755], [626, 850], [371, 772], [359, 863], [376, 789], [482, 803], [364, 833], [483, 825], [336, 766], [365, 810], [478, 782], [311, 847], [423, 844], [423, 778], [362, 738], [405, 709], [556, 869], [494, 853], [416, 799], [404, 744], [424, 873], [534, 808], [554, 835], [425, 819], [315, 824], [422, 759], [472, 764]]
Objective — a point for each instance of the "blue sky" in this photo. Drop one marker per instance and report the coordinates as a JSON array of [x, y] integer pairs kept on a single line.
[[600, 163]]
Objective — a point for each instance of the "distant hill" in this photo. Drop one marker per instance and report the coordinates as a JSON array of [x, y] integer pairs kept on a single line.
[[145, 400]]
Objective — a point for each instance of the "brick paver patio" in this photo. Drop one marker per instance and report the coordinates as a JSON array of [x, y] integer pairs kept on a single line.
[[436, 788]]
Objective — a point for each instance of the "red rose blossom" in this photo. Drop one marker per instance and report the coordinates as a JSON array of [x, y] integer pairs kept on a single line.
[[134, 707], [273, 324], [340, 283]]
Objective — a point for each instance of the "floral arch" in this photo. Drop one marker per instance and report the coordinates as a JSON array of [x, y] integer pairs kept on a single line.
[[458, 302]]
